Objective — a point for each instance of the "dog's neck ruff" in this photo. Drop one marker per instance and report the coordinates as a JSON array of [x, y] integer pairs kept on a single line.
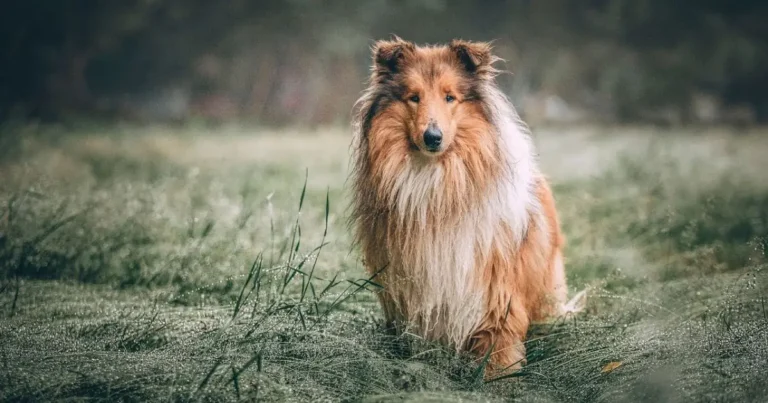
[[435, 260]]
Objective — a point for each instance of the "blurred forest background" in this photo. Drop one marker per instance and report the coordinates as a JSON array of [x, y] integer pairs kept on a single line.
[[305, 62]]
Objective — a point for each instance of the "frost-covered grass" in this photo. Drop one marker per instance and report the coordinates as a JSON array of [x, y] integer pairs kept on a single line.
[[141, 264]]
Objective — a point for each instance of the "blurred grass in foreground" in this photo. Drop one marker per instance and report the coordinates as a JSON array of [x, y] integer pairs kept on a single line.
[[170, 264]]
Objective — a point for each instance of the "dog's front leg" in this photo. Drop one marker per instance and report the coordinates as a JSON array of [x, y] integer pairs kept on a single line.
[[502, 332]]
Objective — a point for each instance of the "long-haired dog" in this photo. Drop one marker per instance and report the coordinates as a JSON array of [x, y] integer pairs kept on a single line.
[[449, 208]]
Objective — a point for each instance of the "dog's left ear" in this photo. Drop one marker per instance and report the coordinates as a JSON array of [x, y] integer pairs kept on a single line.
[[389, 56], [476, 57]]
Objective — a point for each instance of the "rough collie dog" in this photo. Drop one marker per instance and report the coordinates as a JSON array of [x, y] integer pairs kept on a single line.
[[451, 213]]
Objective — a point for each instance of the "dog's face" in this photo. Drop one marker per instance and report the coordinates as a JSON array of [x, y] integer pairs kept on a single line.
[[428, 96]]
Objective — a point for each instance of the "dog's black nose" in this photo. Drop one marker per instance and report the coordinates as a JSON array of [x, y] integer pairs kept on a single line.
[[433, 137]]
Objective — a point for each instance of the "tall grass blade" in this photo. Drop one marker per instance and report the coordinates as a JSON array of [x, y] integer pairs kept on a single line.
[[210, 373], [322, 242]]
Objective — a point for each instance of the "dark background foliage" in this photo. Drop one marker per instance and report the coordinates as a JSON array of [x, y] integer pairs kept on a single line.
[[304, 62]]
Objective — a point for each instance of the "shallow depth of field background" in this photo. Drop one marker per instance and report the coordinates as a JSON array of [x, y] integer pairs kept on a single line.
[[173, 200]]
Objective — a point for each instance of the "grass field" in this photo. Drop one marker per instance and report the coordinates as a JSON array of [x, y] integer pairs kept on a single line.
[[192, 264]]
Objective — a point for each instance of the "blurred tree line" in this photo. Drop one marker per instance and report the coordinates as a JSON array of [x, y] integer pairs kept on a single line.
[[304, 61]]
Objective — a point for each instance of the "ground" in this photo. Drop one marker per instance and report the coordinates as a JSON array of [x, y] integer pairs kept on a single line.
[[215, 264]]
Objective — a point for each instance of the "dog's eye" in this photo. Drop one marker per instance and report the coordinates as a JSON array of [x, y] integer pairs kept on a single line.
[[449, 98], [414, 99]]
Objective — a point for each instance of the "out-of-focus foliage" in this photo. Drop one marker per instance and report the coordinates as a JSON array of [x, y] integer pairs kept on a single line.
[[303, 61]]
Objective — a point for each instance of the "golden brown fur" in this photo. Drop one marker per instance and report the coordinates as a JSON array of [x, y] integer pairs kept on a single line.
[[465, 237]]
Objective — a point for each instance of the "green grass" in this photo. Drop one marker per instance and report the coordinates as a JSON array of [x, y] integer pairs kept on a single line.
[[142, 264]]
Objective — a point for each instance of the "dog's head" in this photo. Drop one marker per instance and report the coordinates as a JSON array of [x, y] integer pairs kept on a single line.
[[428, 99]]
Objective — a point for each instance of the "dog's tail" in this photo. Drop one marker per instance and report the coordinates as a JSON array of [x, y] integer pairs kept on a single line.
[[576, 304]]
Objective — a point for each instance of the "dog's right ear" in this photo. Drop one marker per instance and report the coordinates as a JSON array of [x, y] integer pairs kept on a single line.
[[476, 57], [389, 56]]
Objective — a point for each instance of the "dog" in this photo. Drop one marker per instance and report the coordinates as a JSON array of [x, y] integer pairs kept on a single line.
[[452, 215]]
